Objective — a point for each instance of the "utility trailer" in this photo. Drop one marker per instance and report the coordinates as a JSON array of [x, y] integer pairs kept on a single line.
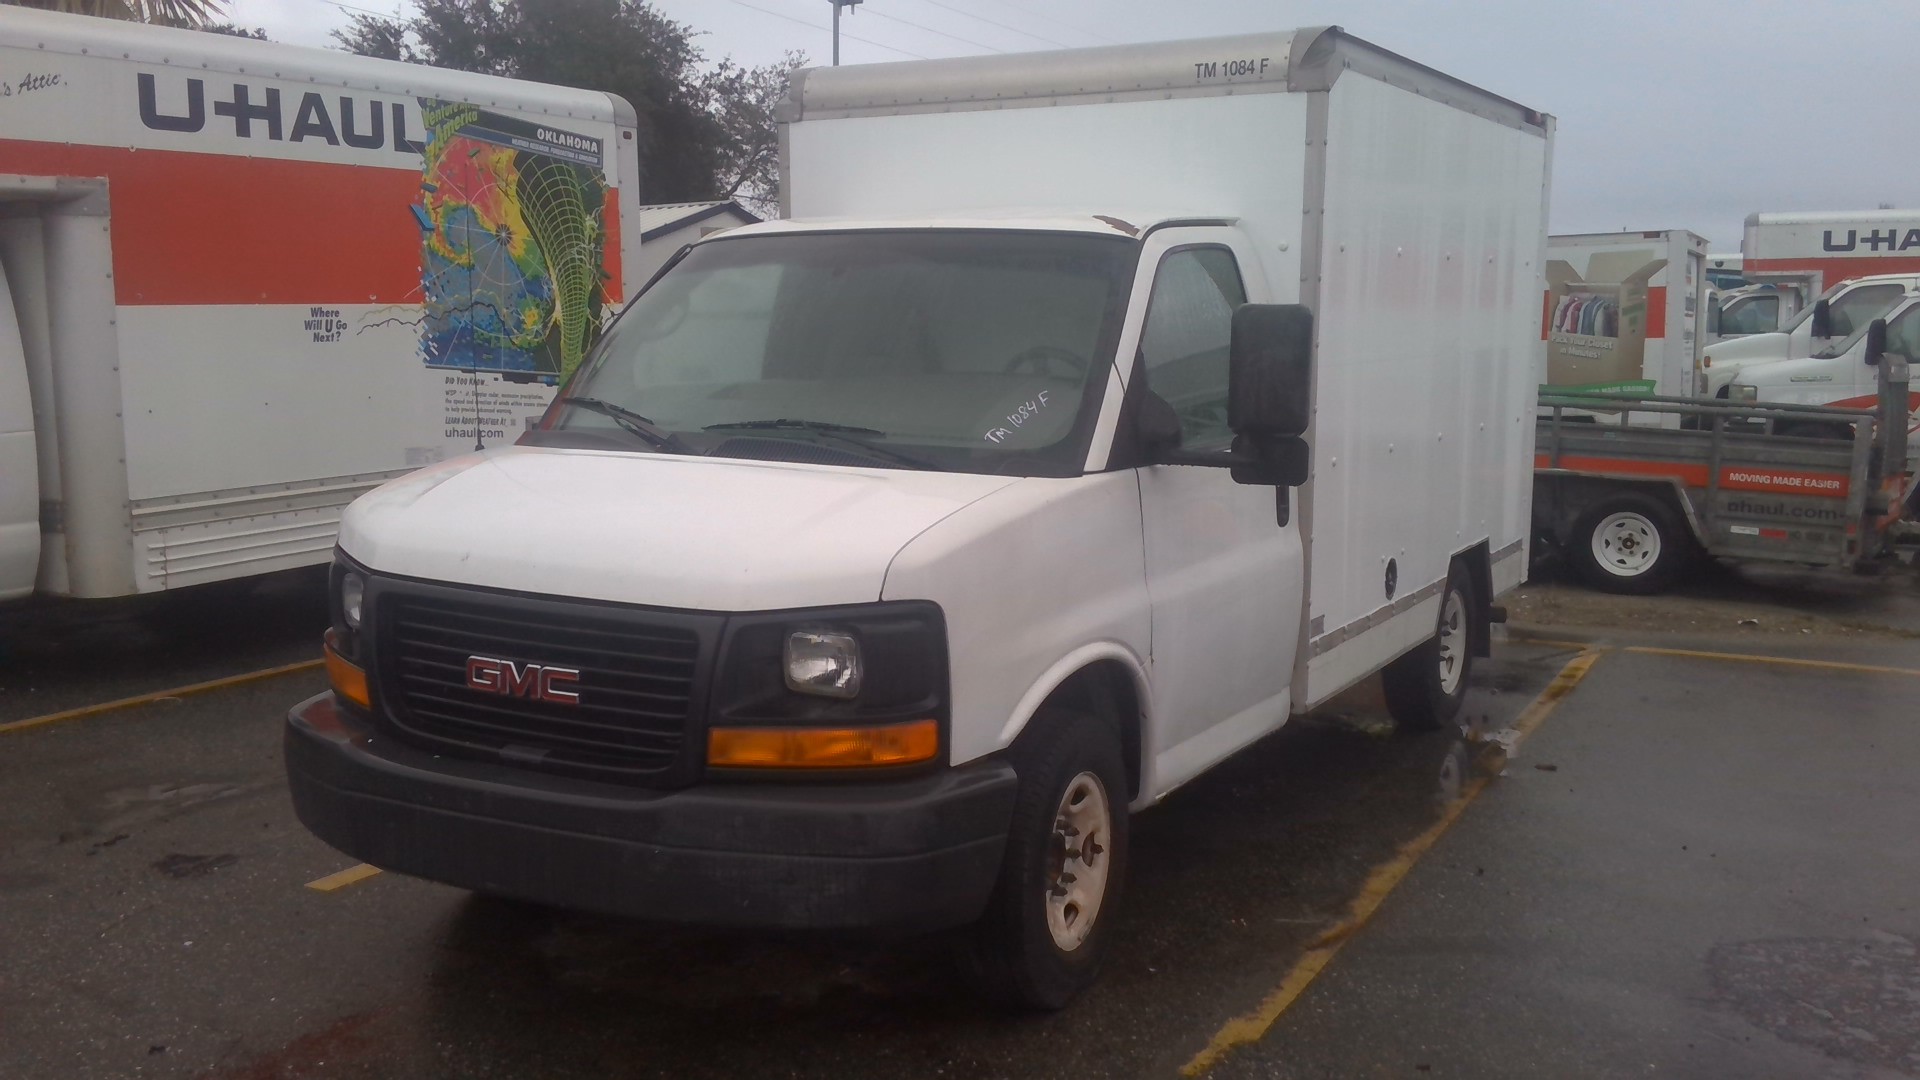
[[1631, 505]]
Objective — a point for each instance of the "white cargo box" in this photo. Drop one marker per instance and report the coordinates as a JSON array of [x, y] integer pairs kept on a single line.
[[1406, 208]]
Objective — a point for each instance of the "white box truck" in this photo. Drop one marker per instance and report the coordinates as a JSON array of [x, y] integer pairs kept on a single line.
[[880, 562], [246, 282], [1624, 311]]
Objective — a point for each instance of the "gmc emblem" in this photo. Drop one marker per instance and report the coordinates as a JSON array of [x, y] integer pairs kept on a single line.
[[510, 678]]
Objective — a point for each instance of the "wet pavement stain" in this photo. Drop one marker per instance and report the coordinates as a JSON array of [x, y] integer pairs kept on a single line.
[[1855, 999], [345, 1043], [192, 866]]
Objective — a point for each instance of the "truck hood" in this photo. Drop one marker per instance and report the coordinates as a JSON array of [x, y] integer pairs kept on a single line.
[[702, 533], [1730, 356]]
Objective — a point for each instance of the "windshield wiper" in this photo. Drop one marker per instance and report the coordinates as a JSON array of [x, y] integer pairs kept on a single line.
[[839, 434], [653, 434]]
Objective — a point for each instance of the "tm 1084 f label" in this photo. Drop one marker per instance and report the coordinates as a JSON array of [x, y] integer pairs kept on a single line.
[[1230, 69]]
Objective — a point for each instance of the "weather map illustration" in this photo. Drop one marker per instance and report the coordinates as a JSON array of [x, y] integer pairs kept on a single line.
[[513, 244]]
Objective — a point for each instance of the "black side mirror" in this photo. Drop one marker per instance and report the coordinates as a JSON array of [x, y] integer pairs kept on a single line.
[[1270, 370], [1876, 342], [1822, 322], [1270, 393]]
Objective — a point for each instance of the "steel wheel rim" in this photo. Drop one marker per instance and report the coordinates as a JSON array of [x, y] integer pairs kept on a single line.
[[1453, 641], [1626, 544], [1077, 861]]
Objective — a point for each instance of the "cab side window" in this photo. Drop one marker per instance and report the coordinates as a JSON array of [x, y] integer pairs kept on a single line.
[[1903, 335], [1183, 345], [1851, 313]]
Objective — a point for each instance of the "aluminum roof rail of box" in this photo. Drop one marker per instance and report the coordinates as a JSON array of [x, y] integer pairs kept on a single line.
[[1307, 59], [1831, 217]]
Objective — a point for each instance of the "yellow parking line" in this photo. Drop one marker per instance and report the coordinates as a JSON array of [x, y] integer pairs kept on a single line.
[[1252, 1026], [1782, 661], [341, 879], [148, 699]]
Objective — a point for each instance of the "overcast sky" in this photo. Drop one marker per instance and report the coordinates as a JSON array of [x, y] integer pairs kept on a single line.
[[1673, 115]]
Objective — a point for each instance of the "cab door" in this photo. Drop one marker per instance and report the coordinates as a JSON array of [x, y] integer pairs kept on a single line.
[[19, 471], [1223, 575]]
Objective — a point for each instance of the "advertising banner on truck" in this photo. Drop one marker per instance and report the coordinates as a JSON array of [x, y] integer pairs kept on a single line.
[[1622, 312], [513, 217]]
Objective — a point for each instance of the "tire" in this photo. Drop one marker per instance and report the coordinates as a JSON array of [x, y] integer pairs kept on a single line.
[[1632, 544], [1040, 941], [1426, 686]]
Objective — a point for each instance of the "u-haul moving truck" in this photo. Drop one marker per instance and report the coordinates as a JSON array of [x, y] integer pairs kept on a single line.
[[1812, 251], [1623, 312], [960, 532], [246, 282]]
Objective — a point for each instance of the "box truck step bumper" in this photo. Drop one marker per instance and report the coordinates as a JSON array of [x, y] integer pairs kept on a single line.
[[911, 855]]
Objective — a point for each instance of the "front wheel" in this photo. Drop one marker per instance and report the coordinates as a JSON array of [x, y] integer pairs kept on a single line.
[[1039, 943], [1426, 686], [1631, 545]]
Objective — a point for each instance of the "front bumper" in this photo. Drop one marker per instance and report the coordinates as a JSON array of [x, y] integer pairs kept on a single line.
[[920, 853]]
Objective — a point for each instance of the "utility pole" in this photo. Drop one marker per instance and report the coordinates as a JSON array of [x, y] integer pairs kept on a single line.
[[837, 5]]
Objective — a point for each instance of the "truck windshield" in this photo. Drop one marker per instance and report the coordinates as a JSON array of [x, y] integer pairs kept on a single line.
[[961, 350]]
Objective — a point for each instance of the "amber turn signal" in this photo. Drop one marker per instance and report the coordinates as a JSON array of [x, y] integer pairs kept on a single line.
[[823, 748], [348, 680]]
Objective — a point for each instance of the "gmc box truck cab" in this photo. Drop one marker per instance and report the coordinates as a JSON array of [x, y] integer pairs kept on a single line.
[[880, 562]]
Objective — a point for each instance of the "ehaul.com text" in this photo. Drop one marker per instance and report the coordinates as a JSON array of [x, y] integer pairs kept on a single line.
[[1811, 483], [1780, 509]]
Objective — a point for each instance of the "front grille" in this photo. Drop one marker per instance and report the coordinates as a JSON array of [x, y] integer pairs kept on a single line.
[[640, 676]]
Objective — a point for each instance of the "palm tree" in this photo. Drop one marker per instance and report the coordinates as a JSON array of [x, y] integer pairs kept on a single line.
[[161, 12]]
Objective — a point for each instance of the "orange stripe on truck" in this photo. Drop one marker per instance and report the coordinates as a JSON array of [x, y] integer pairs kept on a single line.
[[1732, 478], [1834, 271], [1657, 312], [225, 229]]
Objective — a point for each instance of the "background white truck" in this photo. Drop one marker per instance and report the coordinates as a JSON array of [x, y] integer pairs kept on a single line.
[[1623, 311], [958, 533], [246, 282], [1824, 327]]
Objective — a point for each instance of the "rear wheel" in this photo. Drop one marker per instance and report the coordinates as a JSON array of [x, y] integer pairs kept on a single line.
[[1426, 686], [1631, 544], [1040, 942]]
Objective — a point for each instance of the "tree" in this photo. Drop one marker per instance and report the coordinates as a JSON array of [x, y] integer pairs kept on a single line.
[[742, 101], [703, 133], [191, 13], [229, 29]]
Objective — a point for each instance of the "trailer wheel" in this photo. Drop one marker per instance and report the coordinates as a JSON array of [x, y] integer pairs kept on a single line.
[[1631, 544], [1040, 942], [1426, 686]]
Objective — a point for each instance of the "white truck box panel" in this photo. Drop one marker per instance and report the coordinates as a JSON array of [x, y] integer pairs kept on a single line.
[[1243, 155], [1427, 322]]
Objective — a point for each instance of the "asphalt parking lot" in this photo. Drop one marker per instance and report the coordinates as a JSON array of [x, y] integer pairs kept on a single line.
[[1649, 854]]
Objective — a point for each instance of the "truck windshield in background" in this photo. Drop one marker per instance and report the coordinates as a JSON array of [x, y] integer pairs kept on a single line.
[[963, 350]]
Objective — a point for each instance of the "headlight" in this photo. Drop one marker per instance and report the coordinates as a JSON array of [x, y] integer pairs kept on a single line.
[[353, 593], [878, 663], [823, 662], [1743, 392]]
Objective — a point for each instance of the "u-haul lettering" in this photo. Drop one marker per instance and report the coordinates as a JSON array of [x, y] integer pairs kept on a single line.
[[1882, 240], [261, 112]]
